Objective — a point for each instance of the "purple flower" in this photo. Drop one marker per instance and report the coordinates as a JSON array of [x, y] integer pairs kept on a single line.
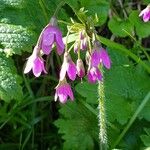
[[69, 67], [100, 55], [145, 13], [35, 63], [94, 74], [50, 34], [63, 91], [80, 68]]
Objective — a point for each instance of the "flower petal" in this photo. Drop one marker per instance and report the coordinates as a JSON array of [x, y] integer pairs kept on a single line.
[[63, 71], [95, 58], [105, 58], [62, 98], [71, 71], [46, 49], [98, 74], [142, 12], [29, 64], [62, 94], [37, 67], [146, 17], [48, 35], [145, 13], [59, 41], [70, 93], [80, 68], [60, 50], [91, 79], [43, 67], [56, 96], [83, 44]]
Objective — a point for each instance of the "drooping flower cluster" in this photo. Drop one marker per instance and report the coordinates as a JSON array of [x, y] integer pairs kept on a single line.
[[50, 35], [95, 58], [145, 14]]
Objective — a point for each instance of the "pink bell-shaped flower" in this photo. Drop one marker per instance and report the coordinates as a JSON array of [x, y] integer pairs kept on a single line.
[[100, 55], [35, 63], [94, 75], [63, 92], [68, 67], [51, 34]]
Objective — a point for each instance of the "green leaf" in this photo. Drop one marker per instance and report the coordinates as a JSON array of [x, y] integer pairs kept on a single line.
[[78, 124], [89, 91], [124, 85], [142, 28], [9, 83], [146, 1], [12, 3], [16, 38], [100, 8], [120, 27], [121, 49], [146, 137]]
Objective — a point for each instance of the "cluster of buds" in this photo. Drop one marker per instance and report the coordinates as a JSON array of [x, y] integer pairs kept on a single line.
[[81, 43], [96, 57]]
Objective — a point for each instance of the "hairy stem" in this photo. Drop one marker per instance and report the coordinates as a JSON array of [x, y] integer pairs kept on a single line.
[[102, 117]]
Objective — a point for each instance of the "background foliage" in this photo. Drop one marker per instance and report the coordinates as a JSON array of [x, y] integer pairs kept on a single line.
[[29, 119]]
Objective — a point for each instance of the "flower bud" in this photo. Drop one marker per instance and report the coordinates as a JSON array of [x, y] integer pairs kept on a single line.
[[76, 46], [80, 68], [82, 34], [83, 45]]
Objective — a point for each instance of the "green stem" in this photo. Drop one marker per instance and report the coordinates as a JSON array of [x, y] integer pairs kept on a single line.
[[121, 48], [28, 87], [58, 8], [44, 11], [33, 107], [66, 48], [71, 47], [79, 45], [64, 22], [145, 52], [139, 109], [89, 44], [142, 48], [102, 117]]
